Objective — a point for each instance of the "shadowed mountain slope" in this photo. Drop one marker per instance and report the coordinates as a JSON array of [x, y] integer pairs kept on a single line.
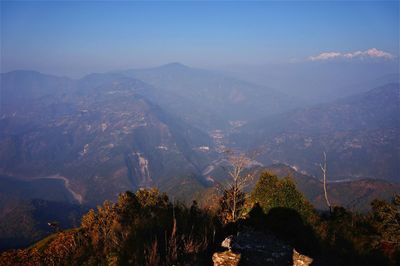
[[100, 134]]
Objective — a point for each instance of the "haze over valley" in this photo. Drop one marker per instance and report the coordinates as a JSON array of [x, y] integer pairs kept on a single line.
[[110, 132]]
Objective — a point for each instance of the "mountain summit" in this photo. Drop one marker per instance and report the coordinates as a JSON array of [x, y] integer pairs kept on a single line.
[[174, 65], [208, 99]]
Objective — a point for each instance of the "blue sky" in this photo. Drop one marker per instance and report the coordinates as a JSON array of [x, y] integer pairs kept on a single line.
[[78, 37]]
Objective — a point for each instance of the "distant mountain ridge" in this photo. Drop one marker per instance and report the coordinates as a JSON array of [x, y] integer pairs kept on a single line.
[[322, 81], [360, 134], [99, 132], [209, 99]]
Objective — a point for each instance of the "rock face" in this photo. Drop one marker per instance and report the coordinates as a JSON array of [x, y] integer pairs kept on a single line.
[[257, 248], [226, 258], [301, 260]]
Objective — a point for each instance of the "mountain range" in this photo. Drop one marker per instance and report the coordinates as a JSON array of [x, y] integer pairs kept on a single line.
[[209, 99], [77, 142], [99, 133], [360, 135]]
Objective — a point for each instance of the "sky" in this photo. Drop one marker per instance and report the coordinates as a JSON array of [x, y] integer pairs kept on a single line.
[[78, 37]]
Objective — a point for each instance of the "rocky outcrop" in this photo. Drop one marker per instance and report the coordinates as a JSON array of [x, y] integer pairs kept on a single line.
[[257, 248], [301, 260], [226, 258]]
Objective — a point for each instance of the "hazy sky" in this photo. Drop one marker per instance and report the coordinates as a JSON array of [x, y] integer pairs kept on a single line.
[[78, 37]]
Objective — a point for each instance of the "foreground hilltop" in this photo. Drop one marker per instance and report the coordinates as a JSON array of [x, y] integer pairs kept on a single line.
[[145, 228]]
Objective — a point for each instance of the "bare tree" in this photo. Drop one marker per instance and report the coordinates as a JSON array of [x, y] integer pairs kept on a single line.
[[233, 191], [324, 173]]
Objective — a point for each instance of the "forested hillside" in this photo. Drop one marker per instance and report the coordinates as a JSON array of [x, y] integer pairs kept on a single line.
[[146, 228]]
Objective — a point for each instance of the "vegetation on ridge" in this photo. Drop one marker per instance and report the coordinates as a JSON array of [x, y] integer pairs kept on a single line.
[[146, 228]]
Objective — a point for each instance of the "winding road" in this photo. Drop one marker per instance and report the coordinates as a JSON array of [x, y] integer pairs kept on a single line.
[[78, 197]]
